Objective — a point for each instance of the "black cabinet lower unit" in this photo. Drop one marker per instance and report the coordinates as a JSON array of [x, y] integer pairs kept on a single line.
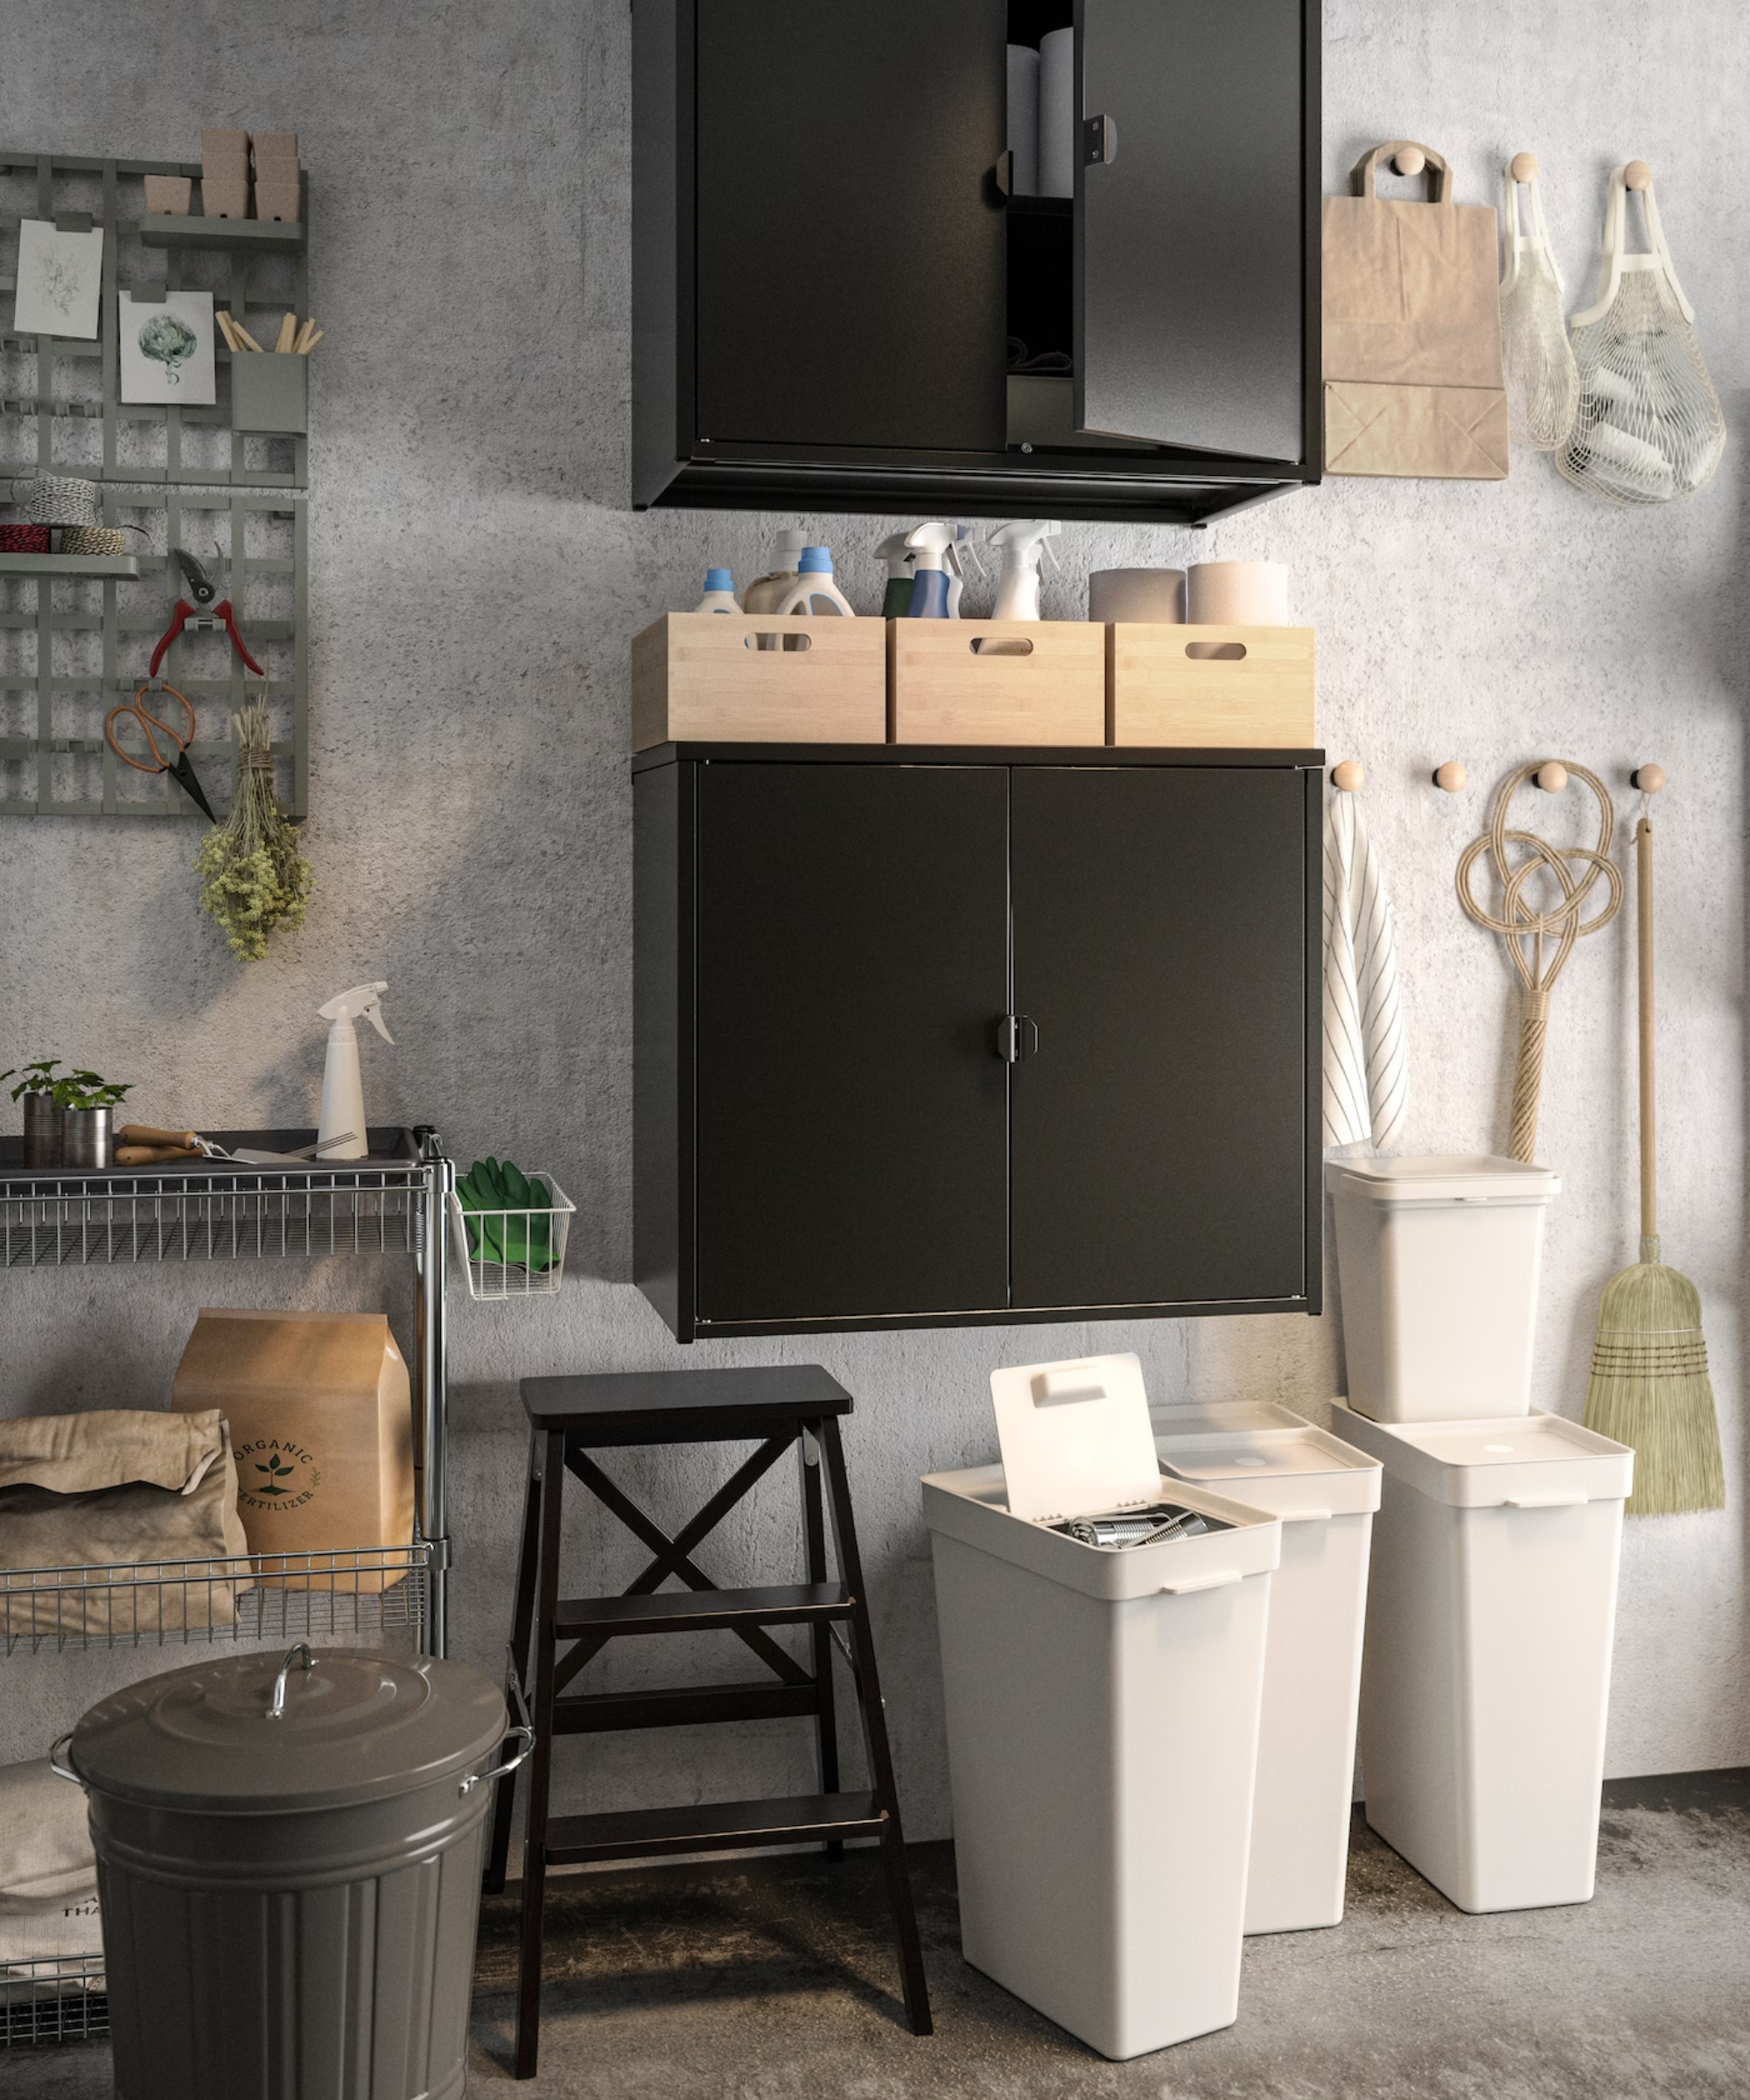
[[934, 1037]]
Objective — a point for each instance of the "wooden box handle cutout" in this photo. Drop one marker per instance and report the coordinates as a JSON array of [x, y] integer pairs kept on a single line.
[[775, 640], [1000, 645], [1217, 652]]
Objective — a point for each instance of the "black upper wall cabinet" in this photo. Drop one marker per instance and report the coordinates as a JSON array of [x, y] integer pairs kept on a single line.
[[931, 1038], [829, 275]]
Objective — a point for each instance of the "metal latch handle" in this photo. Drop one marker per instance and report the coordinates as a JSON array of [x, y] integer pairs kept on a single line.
[[476, 1779], [277, 1711], [1017, 1037], [61, 1770]]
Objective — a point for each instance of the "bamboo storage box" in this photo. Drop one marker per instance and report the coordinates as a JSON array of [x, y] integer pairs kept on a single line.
[[703, 677], [996, 682], [1256, 691]]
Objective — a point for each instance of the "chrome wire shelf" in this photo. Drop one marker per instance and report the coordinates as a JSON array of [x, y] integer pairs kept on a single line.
[[263, 1597], [58, 1998], [64, 1222]]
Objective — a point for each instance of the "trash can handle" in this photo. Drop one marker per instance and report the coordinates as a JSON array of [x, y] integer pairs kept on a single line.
[[277, 1712], [1201, 1582], [475, 1779], [1545, 1501], [61, 1770]]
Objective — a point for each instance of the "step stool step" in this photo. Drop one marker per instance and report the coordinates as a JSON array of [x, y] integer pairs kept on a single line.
[[713, 1826], [698, 1611]]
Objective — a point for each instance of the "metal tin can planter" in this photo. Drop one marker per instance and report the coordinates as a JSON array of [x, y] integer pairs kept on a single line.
[[43, 1129], [289, 1859], [87, 1138]]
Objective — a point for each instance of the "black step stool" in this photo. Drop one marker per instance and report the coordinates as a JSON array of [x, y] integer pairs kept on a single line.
[[570, 1417]]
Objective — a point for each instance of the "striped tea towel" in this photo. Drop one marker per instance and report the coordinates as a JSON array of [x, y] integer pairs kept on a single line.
[[1366, 1080]]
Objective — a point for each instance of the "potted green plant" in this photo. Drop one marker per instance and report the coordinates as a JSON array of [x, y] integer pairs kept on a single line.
[[88, 1102], [36, 1089]]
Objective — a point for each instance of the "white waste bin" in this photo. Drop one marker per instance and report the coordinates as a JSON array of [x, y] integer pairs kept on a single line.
[[1491, 1610], [1438, 1259], [1103, 1718], [1326, 1492]]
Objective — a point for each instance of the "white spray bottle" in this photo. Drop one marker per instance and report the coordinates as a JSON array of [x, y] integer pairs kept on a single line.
[[340, 1134], [929, 545], [1018, 586]]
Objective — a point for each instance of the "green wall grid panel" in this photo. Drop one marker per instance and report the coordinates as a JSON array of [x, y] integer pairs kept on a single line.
[[74, 643]]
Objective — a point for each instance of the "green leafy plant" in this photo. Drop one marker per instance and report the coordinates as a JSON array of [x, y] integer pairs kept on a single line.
[[87, 1090], [253, 877], [33, 1079], [507, 1218]]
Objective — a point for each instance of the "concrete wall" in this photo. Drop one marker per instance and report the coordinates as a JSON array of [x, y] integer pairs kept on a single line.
[[476, 578]]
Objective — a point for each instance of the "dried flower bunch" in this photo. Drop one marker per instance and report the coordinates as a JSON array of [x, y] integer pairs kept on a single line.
[[253, 879]]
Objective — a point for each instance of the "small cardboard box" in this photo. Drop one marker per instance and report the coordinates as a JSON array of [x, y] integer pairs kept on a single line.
[[170, 194], [321, 1421], [274, 146], [224, 152], [225, 197], [279, 198]]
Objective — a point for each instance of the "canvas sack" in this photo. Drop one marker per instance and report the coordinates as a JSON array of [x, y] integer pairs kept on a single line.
[[1413, 384], [106, 1492], [321, 1420], [48, 1872]]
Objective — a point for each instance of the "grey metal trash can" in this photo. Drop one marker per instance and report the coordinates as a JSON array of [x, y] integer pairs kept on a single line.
[[289, 1859]]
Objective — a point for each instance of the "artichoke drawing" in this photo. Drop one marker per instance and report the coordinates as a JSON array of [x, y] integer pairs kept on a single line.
[[171, 342]]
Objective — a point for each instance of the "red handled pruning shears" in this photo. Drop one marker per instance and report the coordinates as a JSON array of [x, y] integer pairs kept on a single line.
[[208, 610]]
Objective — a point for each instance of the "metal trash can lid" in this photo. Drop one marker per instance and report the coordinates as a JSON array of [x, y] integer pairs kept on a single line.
[[352, 1725]]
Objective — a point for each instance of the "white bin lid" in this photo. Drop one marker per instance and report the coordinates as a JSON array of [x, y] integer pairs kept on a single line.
[[1442, 1178], [1280, 1463], [1518, 1461], [1074, 1436]]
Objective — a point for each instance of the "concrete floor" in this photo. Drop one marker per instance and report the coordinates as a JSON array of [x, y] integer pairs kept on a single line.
[[772, 1980]]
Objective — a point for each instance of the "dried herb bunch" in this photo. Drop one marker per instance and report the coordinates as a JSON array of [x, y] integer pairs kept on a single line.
[[254, 879]]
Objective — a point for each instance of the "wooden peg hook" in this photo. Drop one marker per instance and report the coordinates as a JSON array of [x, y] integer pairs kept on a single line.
[[1551, 777], [1637, 176], [1648, 779], [1350, 775], [1452, 778], [1523, 167], [1411, 161]]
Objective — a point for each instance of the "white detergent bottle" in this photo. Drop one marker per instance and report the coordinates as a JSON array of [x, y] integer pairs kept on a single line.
[[1023, 543], [814, 591], [719, 592], [340, 1134], [766, 593]]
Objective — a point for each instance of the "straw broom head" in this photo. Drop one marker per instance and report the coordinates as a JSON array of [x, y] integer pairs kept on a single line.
[[1650, 1389]]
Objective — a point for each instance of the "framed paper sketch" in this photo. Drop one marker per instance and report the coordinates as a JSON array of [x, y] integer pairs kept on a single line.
[[59, 278], [167, 348]]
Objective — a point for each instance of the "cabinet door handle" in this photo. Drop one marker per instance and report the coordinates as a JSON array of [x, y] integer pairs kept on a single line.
[[1099, 142], [1017, 1037], [1003, 175]]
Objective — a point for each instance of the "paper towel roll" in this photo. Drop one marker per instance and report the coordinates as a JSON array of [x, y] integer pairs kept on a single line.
[[1237, 594], [1155, 597], [1023, 84], [1057, 113]]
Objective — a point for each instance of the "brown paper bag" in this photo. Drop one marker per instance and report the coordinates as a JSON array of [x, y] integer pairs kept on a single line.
[[117, 1488], [322, 1424], [1413, 383]]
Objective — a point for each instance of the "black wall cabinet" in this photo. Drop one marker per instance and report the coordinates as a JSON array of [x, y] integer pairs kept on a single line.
[[938, 1037], [828, 272]]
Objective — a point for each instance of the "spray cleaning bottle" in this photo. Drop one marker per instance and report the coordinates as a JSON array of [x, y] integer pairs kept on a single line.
[[929, 544], [902, 559], [1018, 586], [340, 1134]]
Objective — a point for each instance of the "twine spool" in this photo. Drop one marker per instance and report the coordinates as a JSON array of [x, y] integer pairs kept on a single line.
[[58, 499], [24, 539], [93, 539]]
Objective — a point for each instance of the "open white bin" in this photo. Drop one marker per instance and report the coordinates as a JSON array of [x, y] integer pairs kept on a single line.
[[1326, 1492], [1491, 1610], [1438, 1261], [1103, 1723]]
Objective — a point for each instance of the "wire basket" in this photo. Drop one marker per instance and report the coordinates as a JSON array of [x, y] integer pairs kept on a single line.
[[514, 1253], [57, 1998], [255, 1598]]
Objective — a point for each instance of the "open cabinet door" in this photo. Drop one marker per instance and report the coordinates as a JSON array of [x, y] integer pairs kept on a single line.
[[1190, 224]]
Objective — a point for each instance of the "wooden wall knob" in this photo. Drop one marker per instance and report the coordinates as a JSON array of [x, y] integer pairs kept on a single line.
[[1523, 167], [1411, 161], [1453, 777], [1638, 176], [1350, 775], [1551, 778], [1648, 779]]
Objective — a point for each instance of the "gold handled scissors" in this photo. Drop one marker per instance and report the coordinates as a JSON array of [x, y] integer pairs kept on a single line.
[[153, 728]]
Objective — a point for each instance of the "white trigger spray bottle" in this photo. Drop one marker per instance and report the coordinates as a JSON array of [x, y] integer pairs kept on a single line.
[[1018, 586], [340, 1134]]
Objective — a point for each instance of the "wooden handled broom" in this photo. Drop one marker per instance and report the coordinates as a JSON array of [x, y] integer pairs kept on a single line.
[[1650, 1384]]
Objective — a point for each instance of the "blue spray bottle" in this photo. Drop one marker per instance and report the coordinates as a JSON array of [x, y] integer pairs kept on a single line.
[[930, 579]]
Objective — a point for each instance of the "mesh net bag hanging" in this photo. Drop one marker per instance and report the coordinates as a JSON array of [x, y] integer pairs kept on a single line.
[[1648, 428], [1542, 385]]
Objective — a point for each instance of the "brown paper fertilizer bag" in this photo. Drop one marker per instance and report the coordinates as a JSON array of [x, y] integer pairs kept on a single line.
[[322, 1425]]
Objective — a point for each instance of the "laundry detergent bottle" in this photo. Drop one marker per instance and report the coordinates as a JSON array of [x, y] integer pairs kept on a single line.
[[814, 591], [766, 593]]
